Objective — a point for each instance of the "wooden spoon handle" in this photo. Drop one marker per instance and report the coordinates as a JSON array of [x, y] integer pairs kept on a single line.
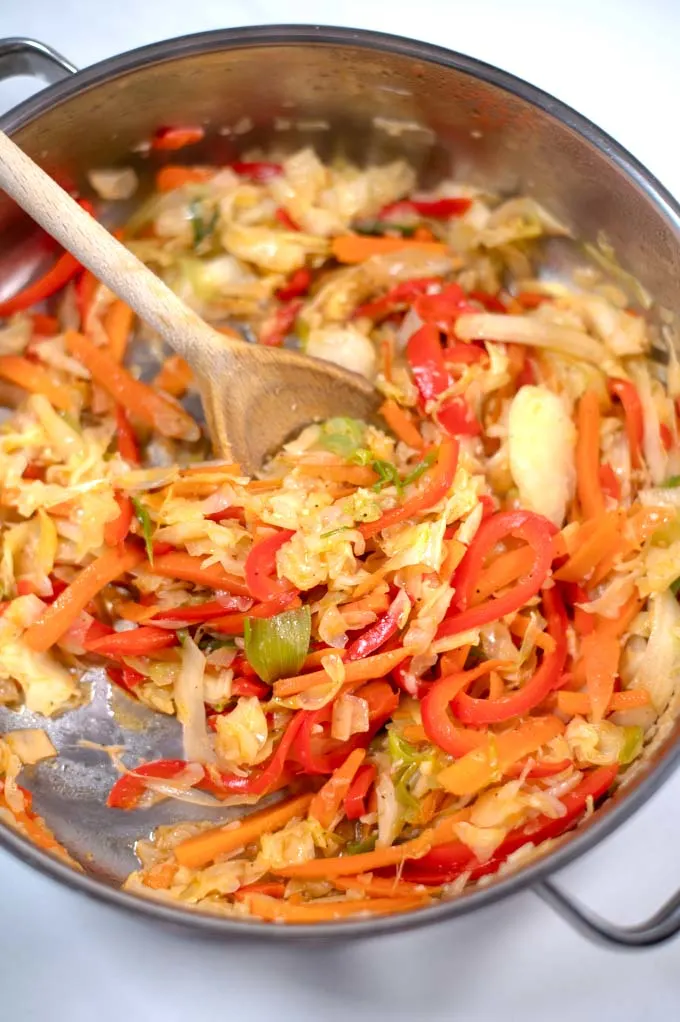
[[61, 216]]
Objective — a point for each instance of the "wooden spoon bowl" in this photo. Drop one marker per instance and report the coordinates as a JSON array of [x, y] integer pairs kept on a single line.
[[255, 398]]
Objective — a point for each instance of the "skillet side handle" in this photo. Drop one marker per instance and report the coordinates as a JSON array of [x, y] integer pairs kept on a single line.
[[662, 926], [28, 57]]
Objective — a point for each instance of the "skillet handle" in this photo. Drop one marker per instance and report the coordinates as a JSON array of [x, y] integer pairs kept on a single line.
[[30, 58], [660, 927]]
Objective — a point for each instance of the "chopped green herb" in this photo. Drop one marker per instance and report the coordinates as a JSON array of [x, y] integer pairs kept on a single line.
[[201, 227], [183, 635], [276, 647], [673, 481], [359, 847], [379, 228], [144, 519], [333, 532], [209, 643], [387, 472], [426, 463], [675, 587]]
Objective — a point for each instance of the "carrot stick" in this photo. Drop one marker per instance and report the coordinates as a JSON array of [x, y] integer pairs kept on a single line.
[[519, 625], [359, 670], [481, 766], [326, 804], [117, 325], [455, 552], [355, 475], [365, 862], [35, 379], [401, 424], [600, 653], [60, 615], [175, 376], [272, 888], [375, 602], [160, 876], [604, 539], [355, 248], [588, 485], [198, 851], [181, 565], [314, 659], [171, 177], [277, 910], [136, 397], [579, 702], [415, 734], [503, 570], [615, 627], [381, 887]]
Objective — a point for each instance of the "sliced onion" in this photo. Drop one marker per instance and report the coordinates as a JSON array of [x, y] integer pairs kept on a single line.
[[490, 326], [190, 704], [350, 717], [652, 446], [659, 668]]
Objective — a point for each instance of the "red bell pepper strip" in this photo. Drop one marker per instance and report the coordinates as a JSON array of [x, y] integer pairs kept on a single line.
[[611, 487], [194, 612], [437, 482], [457, 418], [285, 219], [404, 679], [125, 438], [376, 635], [234, 624], [444, 308], [134, 642], [170, 139], [274, 333], [665, 436], [237, 513], [436, 209], [65, 268], [116, 531], [398, 297], [250, 687], [467, 354], [318, 754], [261, 565], [428, 366], [527, 525], [268, 778], [426, 360], [355, 800], [296, 285], [534, 691], [128, 790], [491, 303], [125, 677], [260, 171], [628, 395], [439, 726], [445, 863]]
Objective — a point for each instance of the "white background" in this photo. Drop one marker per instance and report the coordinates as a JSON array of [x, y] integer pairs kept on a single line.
[[64, 958]]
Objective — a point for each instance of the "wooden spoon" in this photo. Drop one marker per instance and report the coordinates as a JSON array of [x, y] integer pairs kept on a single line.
[[254, 397]]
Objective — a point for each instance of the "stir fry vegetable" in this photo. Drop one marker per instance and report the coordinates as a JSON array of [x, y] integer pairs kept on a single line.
[[437, 641]]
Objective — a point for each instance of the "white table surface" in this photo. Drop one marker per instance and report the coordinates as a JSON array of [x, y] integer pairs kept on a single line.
[[65, 958]]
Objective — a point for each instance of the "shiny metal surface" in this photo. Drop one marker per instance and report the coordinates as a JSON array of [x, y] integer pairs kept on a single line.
[[372, 97]]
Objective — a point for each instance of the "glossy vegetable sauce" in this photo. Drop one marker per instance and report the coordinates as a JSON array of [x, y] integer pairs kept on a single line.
[[440, 642]]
